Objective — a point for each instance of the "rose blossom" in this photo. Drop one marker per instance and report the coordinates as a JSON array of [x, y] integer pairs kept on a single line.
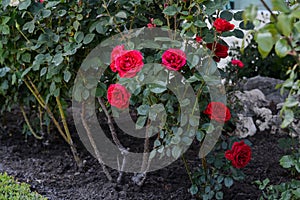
[[151, 25], [222, 25], [199, 39], [237, 62], [220, 51], [116, 52], [239, 155], [173, 59], [126, 62], [218, 111], [129, 63], [118, 96]]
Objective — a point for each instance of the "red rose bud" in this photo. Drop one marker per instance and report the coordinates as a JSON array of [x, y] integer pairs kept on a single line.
[[173, 59], [220, 51], [118, 96], [151, 25], [239, 155], [199, 39], [218, 111], [238, 63], [222, 25]]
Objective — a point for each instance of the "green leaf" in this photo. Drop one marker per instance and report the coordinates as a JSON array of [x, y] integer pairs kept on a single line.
[[67, 75], [226, 15], [250, 13], [3, 71], [288, 118], [24, 4], [5, 29], [282, 47], [29, 26], [52, 87], [297, 193], [51, 4], [200, 24], [176, 152], [88, 38], [143, 109], [265, 43], [194, 189], [286, 161], [79, 36], [228, 181], [58, 59], [141, 121], [46, 13], [284, 24], [43, 71], [157, 89], [280, 5], [219, 195], [26, 71], [297, 26], [170, 10], [26, 57], [76, 25], [121, 14], [291, 102]]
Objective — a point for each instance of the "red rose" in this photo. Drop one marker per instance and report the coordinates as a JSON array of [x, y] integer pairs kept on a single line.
[[173, 59], [239, 155], [220, 51], [116, 52], [129, 63], [118, 96], [217, 111], [222, 25], [151, 24], [238, 63], [199, 39]]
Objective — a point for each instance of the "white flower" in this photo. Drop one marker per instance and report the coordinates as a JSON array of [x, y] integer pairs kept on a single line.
[[14, 2]]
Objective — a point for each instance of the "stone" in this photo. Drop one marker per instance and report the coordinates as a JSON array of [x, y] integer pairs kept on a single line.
[[267, 86], [245, 127]]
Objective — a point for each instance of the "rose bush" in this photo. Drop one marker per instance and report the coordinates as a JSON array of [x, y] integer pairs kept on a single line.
[[43, 45]]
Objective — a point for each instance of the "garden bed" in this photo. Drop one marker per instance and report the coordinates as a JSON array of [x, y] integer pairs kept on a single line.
[[51, 171]]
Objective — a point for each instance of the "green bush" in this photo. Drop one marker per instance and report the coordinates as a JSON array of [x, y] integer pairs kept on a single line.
[[10, 189]]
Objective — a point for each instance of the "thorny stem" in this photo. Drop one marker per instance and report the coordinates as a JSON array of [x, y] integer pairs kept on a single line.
[[93, 143], [28, 124], [122, 149]]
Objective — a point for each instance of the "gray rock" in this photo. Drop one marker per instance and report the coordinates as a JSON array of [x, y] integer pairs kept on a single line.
[[267, 86]]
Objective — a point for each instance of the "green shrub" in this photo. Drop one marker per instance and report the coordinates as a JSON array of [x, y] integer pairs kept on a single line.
[[10, 189]]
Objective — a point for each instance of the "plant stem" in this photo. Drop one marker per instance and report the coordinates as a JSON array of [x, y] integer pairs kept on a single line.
[[67, 132], [122, 149], [187, 169], [28, 124], [93, 143]]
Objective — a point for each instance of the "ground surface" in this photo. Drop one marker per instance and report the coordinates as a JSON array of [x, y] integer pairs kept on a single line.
[[51, 171]]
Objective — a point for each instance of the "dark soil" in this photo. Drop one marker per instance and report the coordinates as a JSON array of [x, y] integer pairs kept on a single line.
[[51, 171]]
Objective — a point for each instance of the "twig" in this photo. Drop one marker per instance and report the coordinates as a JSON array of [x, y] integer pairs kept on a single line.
[[122, 149], [28, 124], [67, 132], [92, 141]]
